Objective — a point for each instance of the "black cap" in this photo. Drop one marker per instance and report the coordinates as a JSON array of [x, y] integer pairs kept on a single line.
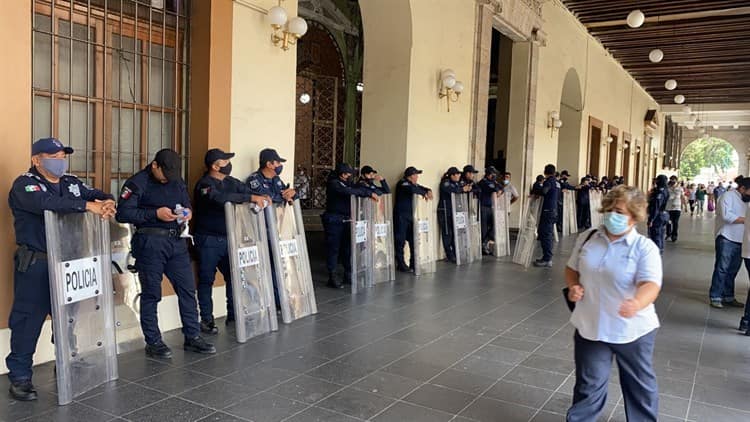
[[342, 168], [367, 170], [453, 170], [269, 154], [491, 170], [49, 146], [214, 155], [564, 173], [170, 164], [470, 169], [411, 170]]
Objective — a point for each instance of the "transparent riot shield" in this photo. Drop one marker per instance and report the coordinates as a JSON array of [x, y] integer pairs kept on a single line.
[[569, 220], [595, 203], [474, 227], [461, 228], [291, 261], [500, 209], [252, 284], [78, 254], [526, 242], [383, 262], [361, 225], [127, 289], [424, 248]]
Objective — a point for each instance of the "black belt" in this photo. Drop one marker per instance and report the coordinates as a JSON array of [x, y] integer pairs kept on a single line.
[[158, 232]]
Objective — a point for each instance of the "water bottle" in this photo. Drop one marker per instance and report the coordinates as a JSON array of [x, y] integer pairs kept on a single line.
[[182, 212]]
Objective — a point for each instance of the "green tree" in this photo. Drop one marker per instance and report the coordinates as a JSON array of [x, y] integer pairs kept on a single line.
[[706, 153]]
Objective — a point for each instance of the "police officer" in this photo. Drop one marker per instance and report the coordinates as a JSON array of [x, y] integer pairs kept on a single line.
[[564, 185], [657, 211], [367, 178], [550, 191], [583, 203], [404, 215], [488, 187], [451, 183], [156, 201], [266, 180], [336, 220], [467, 178], [45, 186], [212, 191]]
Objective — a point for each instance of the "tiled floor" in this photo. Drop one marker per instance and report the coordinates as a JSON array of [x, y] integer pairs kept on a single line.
[[487, 342]]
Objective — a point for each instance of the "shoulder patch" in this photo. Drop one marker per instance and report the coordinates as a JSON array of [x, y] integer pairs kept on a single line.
[[405, 183], [75, 190], [206, 190], [254, 183], [125, 192], [32, 188]]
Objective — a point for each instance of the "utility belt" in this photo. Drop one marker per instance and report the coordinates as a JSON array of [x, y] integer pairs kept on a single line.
[[155, 231], [26, 258]]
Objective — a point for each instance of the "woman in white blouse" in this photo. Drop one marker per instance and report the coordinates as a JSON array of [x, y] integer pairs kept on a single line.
[[614, 276]]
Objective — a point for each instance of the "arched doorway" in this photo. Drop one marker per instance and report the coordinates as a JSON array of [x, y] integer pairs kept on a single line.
[[708, 159], [569, 136]]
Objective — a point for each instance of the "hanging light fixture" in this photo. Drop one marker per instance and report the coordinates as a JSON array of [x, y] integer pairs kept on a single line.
[[679, 99], [636, 19], [670, 84], [656, 55]]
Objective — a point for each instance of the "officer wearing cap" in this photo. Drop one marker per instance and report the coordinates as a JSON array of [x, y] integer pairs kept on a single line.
[[156, 201], [467, 178], [336, 220], [44, 187], [367, 178], [550, 191], [564, 185], [583, 204], [212, 191], [450, 184], [266, 180], [488, 186], [404, 215]]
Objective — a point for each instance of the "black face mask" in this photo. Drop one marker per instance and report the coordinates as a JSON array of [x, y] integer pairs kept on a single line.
[[226, 170], [745, 198]]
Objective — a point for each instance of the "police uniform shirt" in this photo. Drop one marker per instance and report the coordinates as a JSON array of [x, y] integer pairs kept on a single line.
[[260, 185], [32, 194], [564, 184], [374, 188], [142, 195], [474, 187], [210, 195], [448, 187], [550, 190], [486, 188], [339, 193], [404, 196]]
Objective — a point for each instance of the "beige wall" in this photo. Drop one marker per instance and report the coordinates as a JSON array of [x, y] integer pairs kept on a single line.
[[263, 89]]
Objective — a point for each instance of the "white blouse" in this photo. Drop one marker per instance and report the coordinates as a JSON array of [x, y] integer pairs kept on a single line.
[[609, 273]]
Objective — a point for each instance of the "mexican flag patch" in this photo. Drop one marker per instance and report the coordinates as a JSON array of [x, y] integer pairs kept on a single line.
[[32, 188], [205, 191], [125, 193]]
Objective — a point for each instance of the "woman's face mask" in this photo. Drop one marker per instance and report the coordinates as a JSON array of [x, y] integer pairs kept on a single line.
[[616, 223]]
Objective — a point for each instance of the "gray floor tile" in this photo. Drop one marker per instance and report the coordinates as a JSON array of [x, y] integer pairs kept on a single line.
[[737, 399], [306, 389], [401, 412], [260, 377], [221, 417], [356, 403], [124, 399], [339, 373], [535, 377], [217, 394], [298, 361], [318, 414], [501, 354], [414, 369], [559, 403], [74, 412], [170, 410], [548, 417], [523, 394], [483, 367], [489, 410], [440, 398], [516, 344], [265, 407], [387, 384], [463, 381], [551, 364], [176, 381]]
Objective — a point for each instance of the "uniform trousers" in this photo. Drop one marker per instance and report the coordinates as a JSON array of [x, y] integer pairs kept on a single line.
[[213, 253]]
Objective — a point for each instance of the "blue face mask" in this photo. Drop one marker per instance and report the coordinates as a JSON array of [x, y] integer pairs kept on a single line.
[[616, 223], [55, 166], [279, 169]]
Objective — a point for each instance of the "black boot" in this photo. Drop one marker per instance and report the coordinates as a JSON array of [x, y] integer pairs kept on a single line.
[[199, 345], [209, 327], [158, 350], [23, 391], [333, 283]]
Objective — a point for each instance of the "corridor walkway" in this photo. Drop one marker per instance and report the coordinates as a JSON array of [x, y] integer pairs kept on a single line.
[[489, 342]]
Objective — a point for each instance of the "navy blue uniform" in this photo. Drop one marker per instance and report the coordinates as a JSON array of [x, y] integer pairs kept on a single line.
[[404, 218], [383, 189], [564, 185], [31, 195], [158, 250], [658, 216], [260, 185], [445, 215], [209, 220], [487, 189], [337, 219], [583, 205], [550, 191]]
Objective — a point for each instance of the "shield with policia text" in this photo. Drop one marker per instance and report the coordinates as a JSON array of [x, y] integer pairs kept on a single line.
[[362, 251], [475, 227], [524, 252], [569, 220], [383, 262], [500, 209], [461, 228], [424, 249], [79, 259], [290, 260], [595, 203], [250, 263]]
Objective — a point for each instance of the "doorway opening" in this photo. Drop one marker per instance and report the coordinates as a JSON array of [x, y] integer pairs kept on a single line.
[[498, 107]]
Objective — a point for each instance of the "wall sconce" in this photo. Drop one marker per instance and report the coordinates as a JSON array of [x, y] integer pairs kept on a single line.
[[608, 140], [553, 121], [450, 88], [286, 31]]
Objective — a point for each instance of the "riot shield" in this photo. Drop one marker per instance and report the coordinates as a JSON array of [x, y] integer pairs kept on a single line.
[[383, 262], [569, 220], [291, 261], [461, 228], [424, 236], [127, 289], [362, 212], [500, 209], [78, 254], [526, 241], [475, 228], [595, 203], [252, 284]]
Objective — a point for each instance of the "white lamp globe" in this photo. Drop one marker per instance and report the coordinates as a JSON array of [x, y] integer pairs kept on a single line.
[[554, 114], [458, 87], [298, 26], [558, 124], [448, 72], [277, 16], [679, 99], [449, 82], [656, 55], [636, 18], [670, 84]]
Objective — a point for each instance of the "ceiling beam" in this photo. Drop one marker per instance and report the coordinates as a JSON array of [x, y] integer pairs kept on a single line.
[[736, 11]]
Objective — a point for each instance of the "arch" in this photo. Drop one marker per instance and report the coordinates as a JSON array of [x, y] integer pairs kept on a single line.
[[739, 139], [740, 168], [569, 135]]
